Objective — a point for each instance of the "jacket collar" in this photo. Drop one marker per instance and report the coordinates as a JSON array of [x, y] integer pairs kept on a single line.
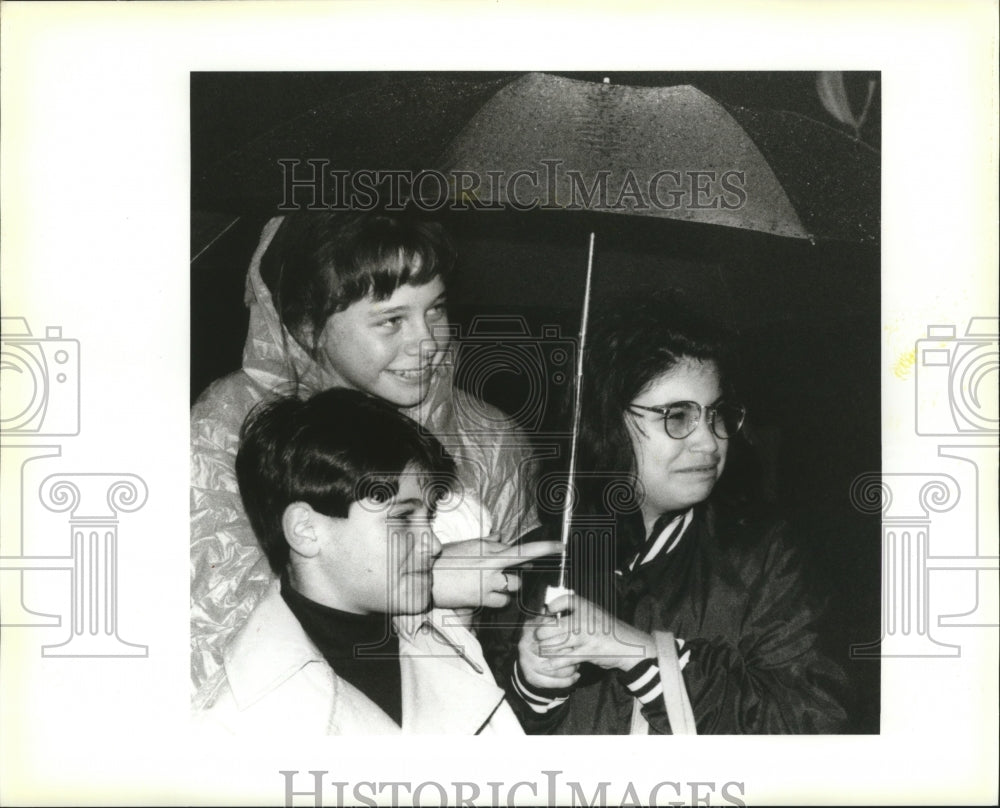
[[271, 626], [447, 686]]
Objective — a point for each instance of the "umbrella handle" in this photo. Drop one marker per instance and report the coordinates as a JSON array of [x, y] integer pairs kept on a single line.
[[553, 592]]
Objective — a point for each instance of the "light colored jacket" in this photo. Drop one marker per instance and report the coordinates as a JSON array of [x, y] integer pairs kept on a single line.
[[275, 681], [229, 573]]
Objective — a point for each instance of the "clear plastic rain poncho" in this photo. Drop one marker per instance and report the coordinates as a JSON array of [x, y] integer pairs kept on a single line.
[[229, 572]]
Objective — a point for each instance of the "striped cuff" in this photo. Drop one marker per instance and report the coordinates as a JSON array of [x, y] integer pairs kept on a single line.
[[643, 681], [540, 701]]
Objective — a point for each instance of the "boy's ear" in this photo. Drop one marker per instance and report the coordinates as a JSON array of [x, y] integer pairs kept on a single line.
[[299, 524]]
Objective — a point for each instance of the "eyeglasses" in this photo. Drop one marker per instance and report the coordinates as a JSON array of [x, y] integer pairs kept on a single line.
[[682, 418]]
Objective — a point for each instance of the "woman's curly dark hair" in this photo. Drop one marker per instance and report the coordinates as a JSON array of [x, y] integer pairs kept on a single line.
[[629, 347]]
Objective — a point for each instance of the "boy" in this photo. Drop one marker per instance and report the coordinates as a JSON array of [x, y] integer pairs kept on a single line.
[[352, 299], [340, 490]]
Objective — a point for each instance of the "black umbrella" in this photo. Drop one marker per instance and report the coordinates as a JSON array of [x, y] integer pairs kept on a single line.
[[553, 143], [668, 154], [735, 173], [556, 143], [671, 152]]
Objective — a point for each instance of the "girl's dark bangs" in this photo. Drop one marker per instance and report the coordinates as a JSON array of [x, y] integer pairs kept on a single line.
[[383, 273]]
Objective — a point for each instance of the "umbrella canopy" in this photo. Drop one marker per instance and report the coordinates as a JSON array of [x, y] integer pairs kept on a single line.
[[672, 152], [784, 174], [668, 152]]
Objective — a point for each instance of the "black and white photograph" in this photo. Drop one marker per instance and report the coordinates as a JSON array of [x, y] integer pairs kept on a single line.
[[732, 288], [517, 378]]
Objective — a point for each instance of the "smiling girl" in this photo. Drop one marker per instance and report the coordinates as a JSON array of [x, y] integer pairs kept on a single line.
[[354, 300]]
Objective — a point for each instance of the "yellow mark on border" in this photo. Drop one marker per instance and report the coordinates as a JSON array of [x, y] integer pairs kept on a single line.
[[904, 365]]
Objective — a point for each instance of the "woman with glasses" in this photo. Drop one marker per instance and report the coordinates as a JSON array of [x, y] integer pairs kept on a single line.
[[686, 610]]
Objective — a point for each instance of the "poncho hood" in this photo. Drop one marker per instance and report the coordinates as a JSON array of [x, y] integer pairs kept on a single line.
[[275, 360]]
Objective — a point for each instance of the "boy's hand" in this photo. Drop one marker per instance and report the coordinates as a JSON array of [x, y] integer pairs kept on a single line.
[[587, 633], [545, 672], [473, 573]]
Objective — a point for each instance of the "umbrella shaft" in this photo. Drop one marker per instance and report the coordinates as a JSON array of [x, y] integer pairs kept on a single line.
[[571, 476]]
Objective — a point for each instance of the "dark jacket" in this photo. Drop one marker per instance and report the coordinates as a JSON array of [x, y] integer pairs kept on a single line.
[[735, 593]]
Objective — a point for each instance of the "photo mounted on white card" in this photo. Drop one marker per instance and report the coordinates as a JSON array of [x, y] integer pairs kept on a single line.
[[820, 182]]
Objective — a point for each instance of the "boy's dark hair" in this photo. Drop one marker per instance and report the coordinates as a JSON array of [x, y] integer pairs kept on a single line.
[[320, 262], [336, 448]]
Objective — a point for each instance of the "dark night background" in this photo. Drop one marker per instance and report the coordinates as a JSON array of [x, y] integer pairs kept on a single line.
[[808, 315]]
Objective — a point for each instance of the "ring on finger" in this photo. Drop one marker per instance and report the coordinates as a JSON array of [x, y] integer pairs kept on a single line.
[[506, 582]]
